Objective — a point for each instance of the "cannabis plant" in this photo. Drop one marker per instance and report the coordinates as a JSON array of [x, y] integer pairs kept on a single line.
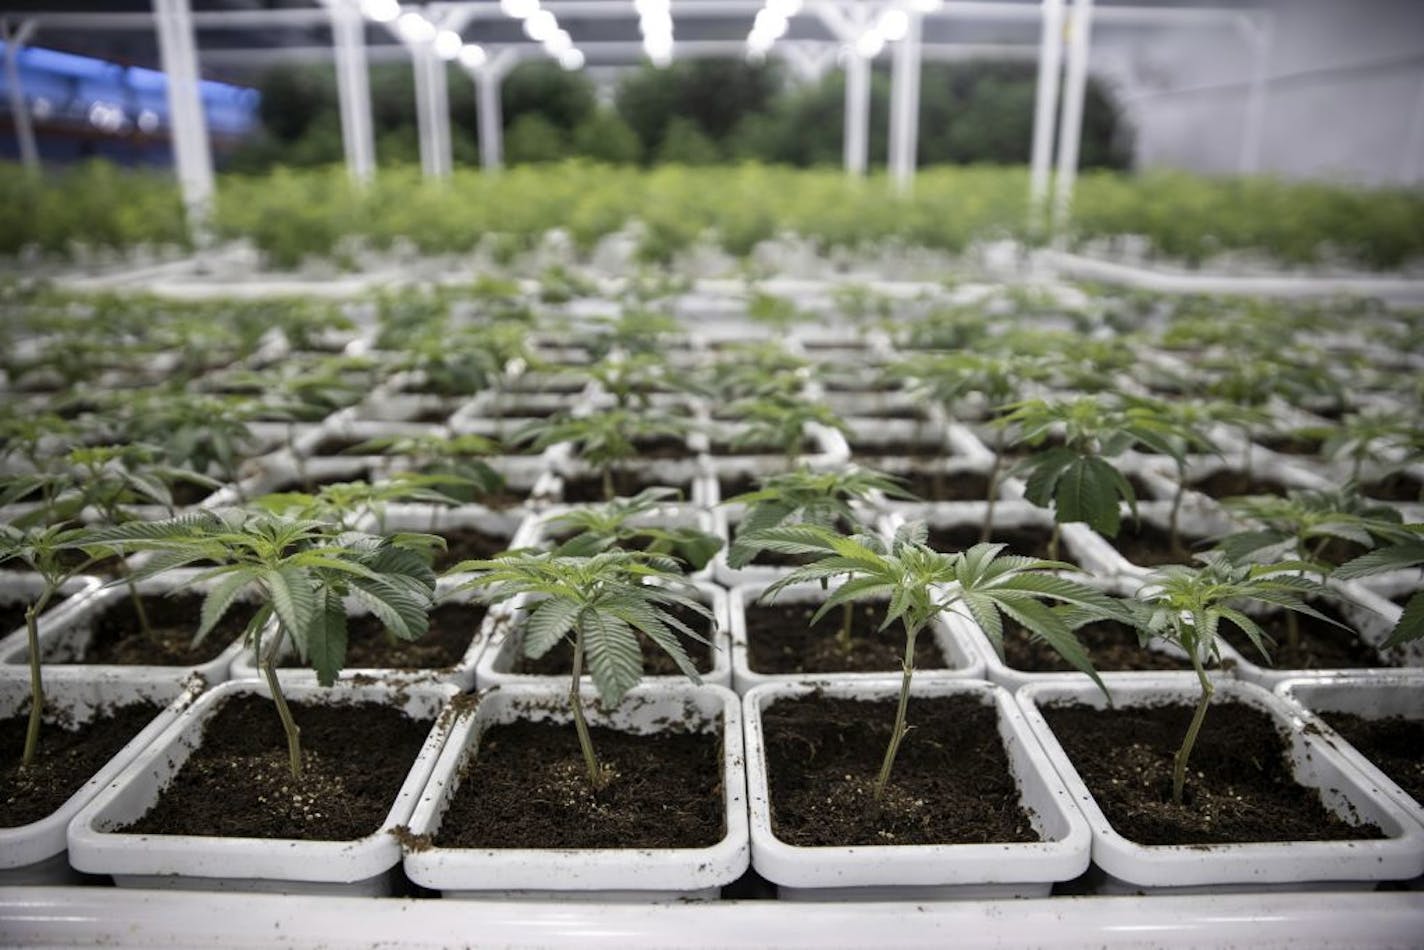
[[781, 422], [921, 583], [301, 570], [1384, 440], [600, 603], [593, 529], [459, 458], [604, 438], [1186, 606], [1400, 554]]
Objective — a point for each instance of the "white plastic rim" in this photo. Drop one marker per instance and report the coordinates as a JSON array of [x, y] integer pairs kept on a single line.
[[1314, 698], [963, 661], [1399, 856], [503, 870], [95, 848], [22, 587], [1061, 856], [80, 696], [495, 666]]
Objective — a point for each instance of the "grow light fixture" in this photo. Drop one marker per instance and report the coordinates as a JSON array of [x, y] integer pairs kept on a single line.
[[542, 27], [414, 28], [655, 23], [890, 27], [770, 25], [472, 56], [380, 11], [447, 44]]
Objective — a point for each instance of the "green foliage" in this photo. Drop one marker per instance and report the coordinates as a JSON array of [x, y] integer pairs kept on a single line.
[[683, 143], [780, 421], [605, 137], [1302, 525], [617, 524], [1404, 553], [534, 139], [919, 584]]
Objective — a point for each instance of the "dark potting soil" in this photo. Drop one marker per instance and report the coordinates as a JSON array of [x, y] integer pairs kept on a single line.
[[780, 639], [662, 447], [64, 759], [1229, 483], [1027, 540], [311, 485], [172, 620], [1239, 788], [1400, 486], [1322, 646], [588, 489], [239, 783], [435, 415], [721, 447], [951, 782], [340, 445], [189, 493], [1111, 646], [898, 448], [1291, 444], [528, 788], [1395, 744], [12, 617], [731, 486], [946, 486], [1146, 545], [560, 660], [907, 413], [370, 645], [468, 544]]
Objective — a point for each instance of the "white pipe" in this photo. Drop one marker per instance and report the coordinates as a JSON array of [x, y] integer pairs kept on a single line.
[[1070, 127], [192, 158], [856, 143], [19, 110], [905, 105], [348, 31], [432, 111], [491, 118], [1045, 109]]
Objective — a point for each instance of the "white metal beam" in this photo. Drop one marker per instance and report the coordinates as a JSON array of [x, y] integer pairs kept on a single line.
[[905, 105], [488, 80], [1045, 110], [192, 158], [19, 109], [348, 33], [1070, 132], [432, 110]]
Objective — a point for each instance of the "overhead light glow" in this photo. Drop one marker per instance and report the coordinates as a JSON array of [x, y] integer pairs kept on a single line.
[[894, 24], [870, 44], [558, 43], [770, 24], [381, 11], [447, 44], [415, 28], [519, 9], [571, 59], [540, 25], [786, 9], [472, 56]]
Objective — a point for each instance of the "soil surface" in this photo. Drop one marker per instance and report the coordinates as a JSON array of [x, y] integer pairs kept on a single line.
[[726, 447], [1400, 486], [1240, 787], [172, 620], [189, 493], [1027, 540], [731, 486], [468, 544], [1111, 646], [370, 645], [1395, 744], [64, 760], [946, 486], [560, 660], [908, 413], [528, 788], [12, 616], [1290, 444], [662, 447], [1322, 646], [951, 783], [1146, 545], [781, 640], [862, 448], [588, 489], [239, 784], [1228, 483]]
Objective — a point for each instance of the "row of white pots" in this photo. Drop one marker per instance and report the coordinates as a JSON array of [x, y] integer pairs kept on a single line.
[[1072, 828]]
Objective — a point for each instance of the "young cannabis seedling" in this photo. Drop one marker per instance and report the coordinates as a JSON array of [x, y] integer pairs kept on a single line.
[[600, 603], [604, 438], [1186, 606], [614, 524], [458, 458], [301, 570], [1386, 441], [781, 422], [1400, 554], [921, 583]]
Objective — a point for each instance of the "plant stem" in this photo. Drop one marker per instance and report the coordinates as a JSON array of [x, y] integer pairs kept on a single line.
[[608, 483], [1053, 541], [284, 712], [1175, 528], [847, 619], [1179, 761], [897, 735], [596, 778], [32, 639], [138, 606]]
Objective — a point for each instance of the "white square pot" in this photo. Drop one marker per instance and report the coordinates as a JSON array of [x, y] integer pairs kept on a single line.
[[505, 642], [35, 853], [1372, 697], [963, 661], [586, 874], [196, 862], [65, 637], [20, 588], [1132, 867], [920, 872]]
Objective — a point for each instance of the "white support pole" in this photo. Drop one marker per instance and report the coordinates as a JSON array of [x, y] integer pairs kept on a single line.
[[1260, 33], [348, 33], [489, 79], [1045, 110], [432, 108], [857, 113], [1070, 127], [19, 110], [188, 127], [905, 105], [1411, 168]]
